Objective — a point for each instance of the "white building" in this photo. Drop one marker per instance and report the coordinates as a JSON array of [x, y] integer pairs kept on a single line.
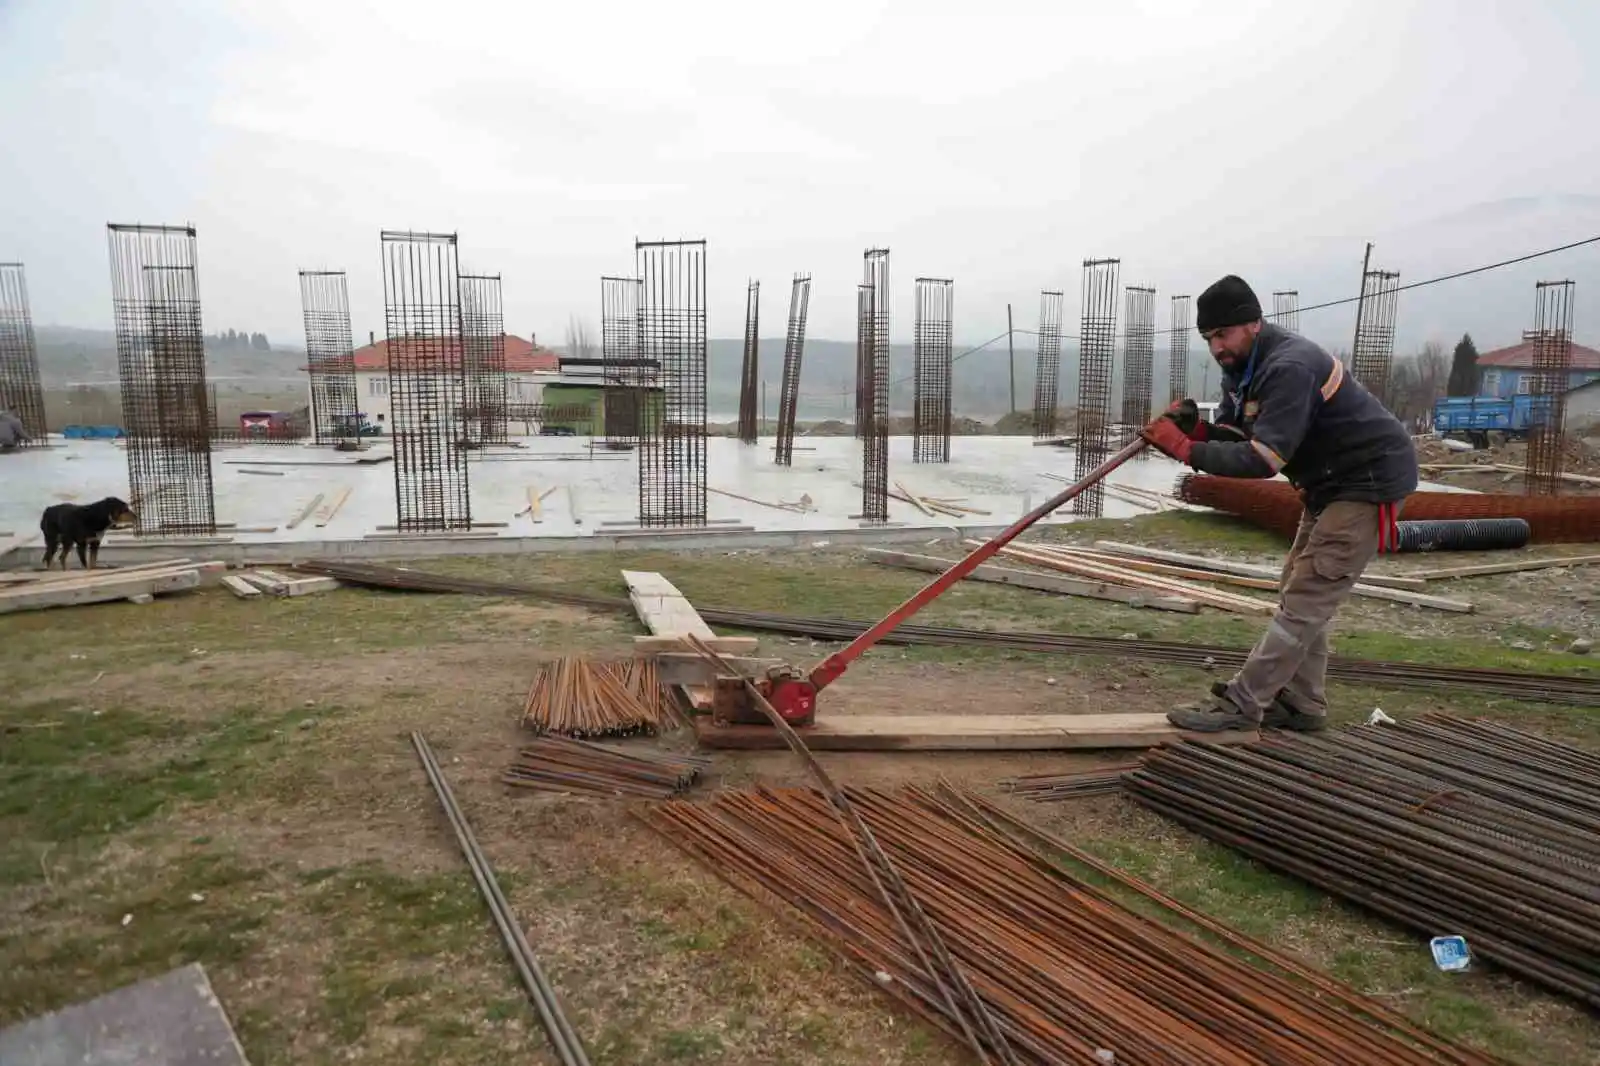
[[527, 366]]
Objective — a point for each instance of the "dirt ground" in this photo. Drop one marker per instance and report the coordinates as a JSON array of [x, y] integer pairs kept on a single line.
[[231, 782]]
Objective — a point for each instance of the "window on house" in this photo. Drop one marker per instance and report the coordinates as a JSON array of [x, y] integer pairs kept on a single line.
[[1491, 382], [1524, 384], [378, 387]]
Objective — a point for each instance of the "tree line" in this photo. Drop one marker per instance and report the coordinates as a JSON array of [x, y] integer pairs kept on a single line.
[[1418, 380], [234, 338]]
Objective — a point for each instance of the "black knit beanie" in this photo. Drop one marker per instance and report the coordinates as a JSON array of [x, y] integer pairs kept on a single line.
[[1228, 302]]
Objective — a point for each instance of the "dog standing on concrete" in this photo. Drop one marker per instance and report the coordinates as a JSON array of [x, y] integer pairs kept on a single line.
[[70, 525]]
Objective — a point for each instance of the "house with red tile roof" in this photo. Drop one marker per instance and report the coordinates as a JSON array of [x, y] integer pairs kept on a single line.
[[528, 366], [1507, 372]]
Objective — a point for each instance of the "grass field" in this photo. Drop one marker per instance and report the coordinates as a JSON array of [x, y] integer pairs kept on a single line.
[[224, 781]]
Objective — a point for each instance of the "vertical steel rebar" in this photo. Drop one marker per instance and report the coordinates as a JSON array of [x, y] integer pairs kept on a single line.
[[1047, 371], [483, 356], [1286, 309], [1551, 377], [794, 346], [1138, 346], [931, 414], [1097, 344], [672, 318], [21, 391], [622, 376], [427, 385], [750, 371], [330, 359], [1178, 353], [161, 365]]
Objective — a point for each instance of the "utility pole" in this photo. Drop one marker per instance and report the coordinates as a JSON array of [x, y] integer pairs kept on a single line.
[[1011, 350]]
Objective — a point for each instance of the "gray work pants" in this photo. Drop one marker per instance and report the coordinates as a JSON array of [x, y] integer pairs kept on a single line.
[[1330, 551]]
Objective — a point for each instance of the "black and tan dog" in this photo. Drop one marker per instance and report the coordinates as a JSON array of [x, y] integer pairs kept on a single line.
[[70, 525]]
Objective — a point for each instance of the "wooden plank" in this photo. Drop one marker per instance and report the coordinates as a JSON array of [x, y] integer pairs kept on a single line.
[[689, 669], [650, 646], [1145, 566], [1224, 566], [305, 586], [265, 584], [967, 732], [208, 573], [905, 494], [662, 608], [1485, 569], [29, 576], [1027, 579], [325, 515], [240, 587], [316, 501], [31, 599]]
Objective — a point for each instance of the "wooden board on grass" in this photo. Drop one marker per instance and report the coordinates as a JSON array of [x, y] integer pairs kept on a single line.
[[1027, 579], [966, 732]]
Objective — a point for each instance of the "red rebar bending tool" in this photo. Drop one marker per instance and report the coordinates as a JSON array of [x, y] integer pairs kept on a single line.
[[793, 692]]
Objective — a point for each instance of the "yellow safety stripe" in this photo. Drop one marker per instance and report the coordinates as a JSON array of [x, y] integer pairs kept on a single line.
[[1273, 459], [1335, 379]]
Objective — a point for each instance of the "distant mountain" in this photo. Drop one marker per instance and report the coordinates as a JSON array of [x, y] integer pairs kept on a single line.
[[69, 356]]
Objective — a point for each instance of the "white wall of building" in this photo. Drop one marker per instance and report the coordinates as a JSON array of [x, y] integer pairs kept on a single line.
[[372, 393]]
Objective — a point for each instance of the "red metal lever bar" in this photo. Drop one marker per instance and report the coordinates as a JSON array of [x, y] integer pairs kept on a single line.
[[830, 668]]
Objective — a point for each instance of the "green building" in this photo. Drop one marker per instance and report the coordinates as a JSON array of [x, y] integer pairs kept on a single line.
[[590, 408]]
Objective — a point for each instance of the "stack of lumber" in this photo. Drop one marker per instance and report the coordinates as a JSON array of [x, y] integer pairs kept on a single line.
[[37, 590], [952, 507], [583, 698], [252, 583]]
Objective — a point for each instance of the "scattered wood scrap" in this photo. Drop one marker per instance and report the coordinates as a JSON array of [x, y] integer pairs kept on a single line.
[[328, 510], [240, 587], [669, 616], [1050, 558], [1517, 567], [1375, 586], [1028, 579], [305, 512]]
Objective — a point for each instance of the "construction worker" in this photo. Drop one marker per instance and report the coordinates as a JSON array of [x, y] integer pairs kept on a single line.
[[1290, 408], [12, 433]]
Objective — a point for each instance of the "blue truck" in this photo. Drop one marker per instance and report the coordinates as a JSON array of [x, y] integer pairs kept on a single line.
[[1475, 417]]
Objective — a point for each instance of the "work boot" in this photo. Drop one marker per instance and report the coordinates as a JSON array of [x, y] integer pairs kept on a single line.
[[1216, 715], [1281, 714]]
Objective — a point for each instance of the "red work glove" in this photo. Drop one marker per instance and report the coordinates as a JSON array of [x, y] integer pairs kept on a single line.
[[1169, 437]]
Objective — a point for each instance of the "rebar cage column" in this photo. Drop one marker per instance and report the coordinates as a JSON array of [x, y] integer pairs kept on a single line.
[[750, 368], [161, 369], [1551, 373], [1047, 371], [330, 357], [1374, 341], [931, 414], [621, 375], [1286, 309], [1138, 344], [672, 315], [1178, 352], [794, 345], [427, 390], [1097, 345], [483, 359], [875, 416], [21, 391], [874, 272]]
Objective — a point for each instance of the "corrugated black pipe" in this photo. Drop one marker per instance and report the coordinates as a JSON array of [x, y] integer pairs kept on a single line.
[[1464, 534]]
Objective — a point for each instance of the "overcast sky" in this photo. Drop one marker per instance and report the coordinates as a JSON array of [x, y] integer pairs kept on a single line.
[[978, 142]]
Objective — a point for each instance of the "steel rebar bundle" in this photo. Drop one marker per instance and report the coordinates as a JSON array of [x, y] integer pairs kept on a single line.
[[1552, 377], [583, 698], [559, 764], [330, 359], [1275, 506], [21, 391], [1066, 972], [562, 1036], [1444, 825], [427, 386], [1047, 788], [161, 370], [1138, 355], [1576, 689], [750, 369], [672, 332], [1178, 354], [1047, 372], [931, 359], [1097, 346], [794, 347]]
